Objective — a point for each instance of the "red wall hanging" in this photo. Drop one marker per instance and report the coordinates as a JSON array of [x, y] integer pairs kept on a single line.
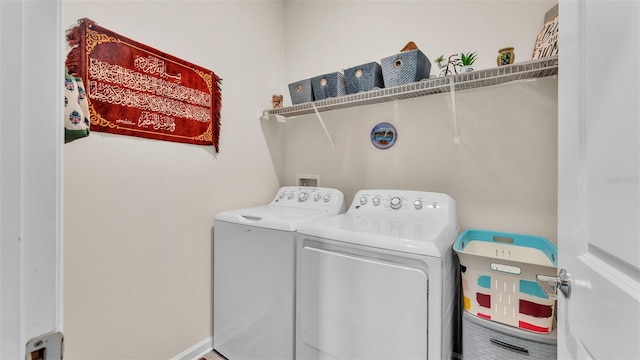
[[136, 90]]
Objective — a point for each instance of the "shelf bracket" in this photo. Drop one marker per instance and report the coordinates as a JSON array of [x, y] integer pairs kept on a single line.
[[333, 145], [264, 115], [452, 91]]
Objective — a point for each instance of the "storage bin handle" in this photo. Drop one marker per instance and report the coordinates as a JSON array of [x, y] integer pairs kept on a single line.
[[509, 269], [503, 239], [510, 347]]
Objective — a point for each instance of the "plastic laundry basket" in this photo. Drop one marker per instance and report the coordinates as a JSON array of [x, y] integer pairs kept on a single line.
[[499, 277]]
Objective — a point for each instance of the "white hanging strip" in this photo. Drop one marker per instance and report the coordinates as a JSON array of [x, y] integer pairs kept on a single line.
[[333, 145], [452, 90]]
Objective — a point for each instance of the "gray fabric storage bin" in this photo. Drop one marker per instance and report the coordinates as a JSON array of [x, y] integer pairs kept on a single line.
[[490, 340], [328, 85], [405, 67], [363, 77], [301, 91]]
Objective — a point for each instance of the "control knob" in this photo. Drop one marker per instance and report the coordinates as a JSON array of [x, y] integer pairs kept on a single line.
[[327, 198], [417, 204], [290, 196], [303, 196], [282, 195], [395, 203], [376, 201], [316, 197], [363, 200]]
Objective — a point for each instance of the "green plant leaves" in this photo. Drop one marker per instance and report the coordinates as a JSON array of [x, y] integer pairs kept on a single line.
[[468, 58]]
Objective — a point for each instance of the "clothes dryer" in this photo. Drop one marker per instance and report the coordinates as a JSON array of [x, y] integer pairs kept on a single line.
[[254, 272], [379, 281]]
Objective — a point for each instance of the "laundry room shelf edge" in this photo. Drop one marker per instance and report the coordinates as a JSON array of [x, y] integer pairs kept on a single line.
[[476, 79]]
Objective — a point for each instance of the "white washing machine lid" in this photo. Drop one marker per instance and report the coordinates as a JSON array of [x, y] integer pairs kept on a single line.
[[272, 217], [429, 229], [291, 207]]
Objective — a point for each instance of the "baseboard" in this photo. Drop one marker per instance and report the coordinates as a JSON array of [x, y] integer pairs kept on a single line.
[[197, 351]]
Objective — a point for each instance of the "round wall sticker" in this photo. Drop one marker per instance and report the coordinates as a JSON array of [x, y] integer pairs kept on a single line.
[[383, 135]]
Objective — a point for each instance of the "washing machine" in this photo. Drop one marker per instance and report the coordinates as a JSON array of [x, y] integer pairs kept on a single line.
[[254, 272], [381, 280]]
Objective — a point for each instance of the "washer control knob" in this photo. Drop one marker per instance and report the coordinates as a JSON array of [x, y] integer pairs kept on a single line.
[[417, 204], [282, 195], [363, 200], [316, 197], [396, 203], [376, 201], [327, 198], [303, 196], [290, 196]]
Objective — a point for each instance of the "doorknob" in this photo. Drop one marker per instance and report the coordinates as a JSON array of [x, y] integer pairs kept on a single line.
[[551, 284]]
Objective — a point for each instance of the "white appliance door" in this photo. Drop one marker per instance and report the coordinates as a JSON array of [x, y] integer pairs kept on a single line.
[[599, 171], [254, 298], [352, 307]]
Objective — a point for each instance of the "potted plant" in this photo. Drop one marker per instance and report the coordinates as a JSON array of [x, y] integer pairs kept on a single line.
[[439, 61], [467, 59]]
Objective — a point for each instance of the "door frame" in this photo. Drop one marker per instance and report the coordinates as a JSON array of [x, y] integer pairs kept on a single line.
[[31, 167]]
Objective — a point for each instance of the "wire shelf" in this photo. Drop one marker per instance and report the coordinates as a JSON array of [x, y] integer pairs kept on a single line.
[[477, 79]]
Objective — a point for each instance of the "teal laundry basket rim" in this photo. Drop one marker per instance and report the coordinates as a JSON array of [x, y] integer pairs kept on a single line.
[[545, 245]]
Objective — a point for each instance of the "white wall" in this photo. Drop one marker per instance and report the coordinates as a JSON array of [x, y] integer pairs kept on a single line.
[[327, 36], [139, 213], [503, 173]]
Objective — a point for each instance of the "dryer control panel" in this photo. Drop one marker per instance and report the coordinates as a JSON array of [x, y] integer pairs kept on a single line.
[[403, 201], [308, 197]]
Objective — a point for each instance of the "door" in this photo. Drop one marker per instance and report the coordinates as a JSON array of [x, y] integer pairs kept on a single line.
[[31, 131], [599, 168]]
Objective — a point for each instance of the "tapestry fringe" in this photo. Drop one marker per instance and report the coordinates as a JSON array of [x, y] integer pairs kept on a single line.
[[217, 113], [74, 37], [73, 62]]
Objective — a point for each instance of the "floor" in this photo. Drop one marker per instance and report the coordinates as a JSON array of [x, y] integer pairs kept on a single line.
[[212, 356]]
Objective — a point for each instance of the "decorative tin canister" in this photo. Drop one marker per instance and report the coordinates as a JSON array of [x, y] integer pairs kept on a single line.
[[506, 56]]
